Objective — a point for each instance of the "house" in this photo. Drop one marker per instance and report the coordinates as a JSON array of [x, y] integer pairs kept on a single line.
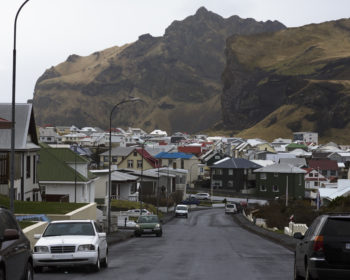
[[235, 174], [178, 160], [26, 152], [330, 191], [306, 137], [327, 167], [63, 176], [294, 146], [118, 154], [313, 180], [49, 135], [123, 186], [280, 179], [138, 159], [298, 162]]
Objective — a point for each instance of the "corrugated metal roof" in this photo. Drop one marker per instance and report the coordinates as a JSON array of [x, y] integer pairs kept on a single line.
[[280, 168]]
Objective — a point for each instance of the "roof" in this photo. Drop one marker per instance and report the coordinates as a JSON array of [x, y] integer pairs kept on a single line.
[[122, 177], [330, 193], [281, 168], [165, 155], [24, 127], [298, 162], [150, 159], [54, 165], [195, 150], [235, 163], [296, 146], [119, 151], [323, 164]]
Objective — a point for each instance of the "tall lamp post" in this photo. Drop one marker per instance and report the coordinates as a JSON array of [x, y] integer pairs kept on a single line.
[[132, 99], [13, 120]]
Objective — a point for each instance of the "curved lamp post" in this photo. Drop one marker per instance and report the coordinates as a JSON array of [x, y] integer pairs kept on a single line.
[[13, 120], [132, 99]]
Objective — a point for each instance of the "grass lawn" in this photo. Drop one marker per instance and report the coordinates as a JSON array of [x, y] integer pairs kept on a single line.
[[35, 207], [124, 205], [24, 224]]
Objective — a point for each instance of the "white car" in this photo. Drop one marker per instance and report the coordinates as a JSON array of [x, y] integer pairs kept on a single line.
[[181, 210], [203, 196], [71, 243], [231, 208], [137, 211]]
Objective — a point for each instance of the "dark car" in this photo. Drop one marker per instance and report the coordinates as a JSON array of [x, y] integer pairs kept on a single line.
[[191, 200], [148, 224], [15, 254], [324, 251]]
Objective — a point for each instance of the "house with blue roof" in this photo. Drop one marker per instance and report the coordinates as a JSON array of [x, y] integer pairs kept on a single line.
[[178, 160]]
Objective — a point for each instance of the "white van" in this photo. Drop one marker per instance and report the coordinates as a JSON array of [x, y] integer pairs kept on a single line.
[[230, 208]]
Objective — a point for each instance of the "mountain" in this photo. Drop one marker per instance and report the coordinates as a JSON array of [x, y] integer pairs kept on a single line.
[[178, 75], [296, 79]]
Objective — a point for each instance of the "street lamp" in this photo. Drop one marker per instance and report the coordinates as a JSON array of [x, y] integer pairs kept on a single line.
[[131, 99], [13, 120]]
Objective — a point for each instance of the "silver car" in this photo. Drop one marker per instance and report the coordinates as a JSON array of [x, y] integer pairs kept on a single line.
[[71, 243]]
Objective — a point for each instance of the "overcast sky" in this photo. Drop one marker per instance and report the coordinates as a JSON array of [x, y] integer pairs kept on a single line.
[[48, 31]]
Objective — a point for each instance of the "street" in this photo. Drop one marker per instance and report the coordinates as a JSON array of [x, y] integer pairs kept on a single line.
[[207, 245]]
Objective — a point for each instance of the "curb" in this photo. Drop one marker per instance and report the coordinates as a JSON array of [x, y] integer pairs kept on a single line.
[[284, 240]]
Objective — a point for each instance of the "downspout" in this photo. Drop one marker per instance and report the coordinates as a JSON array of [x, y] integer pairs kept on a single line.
[[22, 179]]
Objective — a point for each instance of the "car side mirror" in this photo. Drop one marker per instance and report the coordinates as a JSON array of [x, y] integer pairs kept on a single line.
[[101, 234], [37, 236], [298, 235], [11, 234]]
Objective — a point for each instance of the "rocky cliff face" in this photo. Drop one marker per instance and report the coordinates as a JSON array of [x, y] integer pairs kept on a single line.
[[178, 75], [291, 80]]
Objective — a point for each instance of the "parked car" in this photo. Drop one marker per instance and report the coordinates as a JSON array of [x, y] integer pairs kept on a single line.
[[148, 224], [191, 200], [71, 243], [231, 208], [181, 210], [202, 196], [324, 251], [16, 262], [137, 211]]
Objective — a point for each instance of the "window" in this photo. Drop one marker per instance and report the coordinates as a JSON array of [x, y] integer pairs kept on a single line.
[[174, 165], [114, 158], [28, 167], [230, 184], [135, 153], [275, 188], [218, 171], [139, 164], [333, 173], [300, 179], [230, 172], [263, 188], [316, 174], [182, 164], [263, 176], [34, 170], [130, 164], [311, 175], [105, 158], [316, 184], [275, 174]]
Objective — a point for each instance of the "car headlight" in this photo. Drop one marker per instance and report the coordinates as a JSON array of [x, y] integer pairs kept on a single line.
[[137, 226], [157, 226], [41, 249], [86, 247]]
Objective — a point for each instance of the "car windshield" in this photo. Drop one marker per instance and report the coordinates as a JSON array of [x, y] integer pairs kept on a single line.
[[181, 208], [230, 206], [148, 219], [56, 229]]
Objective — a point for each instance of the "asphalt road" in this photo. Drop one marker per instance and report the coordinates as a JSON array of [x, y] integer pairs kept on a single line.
[[207, 245]]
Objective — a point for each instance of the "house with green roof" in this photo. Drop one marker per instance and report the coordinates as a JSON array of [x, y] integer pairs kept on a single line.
[[294, 146], [64, 176]]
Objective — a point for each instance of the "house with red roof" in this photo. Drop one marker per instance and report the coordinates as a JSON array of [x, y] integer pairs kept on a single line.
[[313, 181], [138, 159], [327, 167]]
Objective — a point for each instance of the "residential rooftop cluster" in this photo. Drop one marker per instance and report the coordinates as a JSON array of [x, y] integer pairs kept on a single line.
[[67, 163]]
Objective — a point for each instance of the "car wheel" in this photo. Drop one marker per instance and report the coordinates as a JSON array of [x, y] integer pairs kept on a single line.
[[29, 274], [38, 269], [186, 216], [137, 234], [104, 262], [159, 234], [97, 266], [2, 274], [296, 274]]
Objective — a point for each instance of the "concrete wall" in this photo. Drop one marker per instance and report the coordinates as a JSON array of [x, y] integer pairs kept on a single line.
[[88, 212]]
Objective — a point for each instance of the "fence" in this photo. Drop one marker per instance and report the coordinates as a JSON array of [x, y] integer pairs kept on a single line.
[[293, 228]]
